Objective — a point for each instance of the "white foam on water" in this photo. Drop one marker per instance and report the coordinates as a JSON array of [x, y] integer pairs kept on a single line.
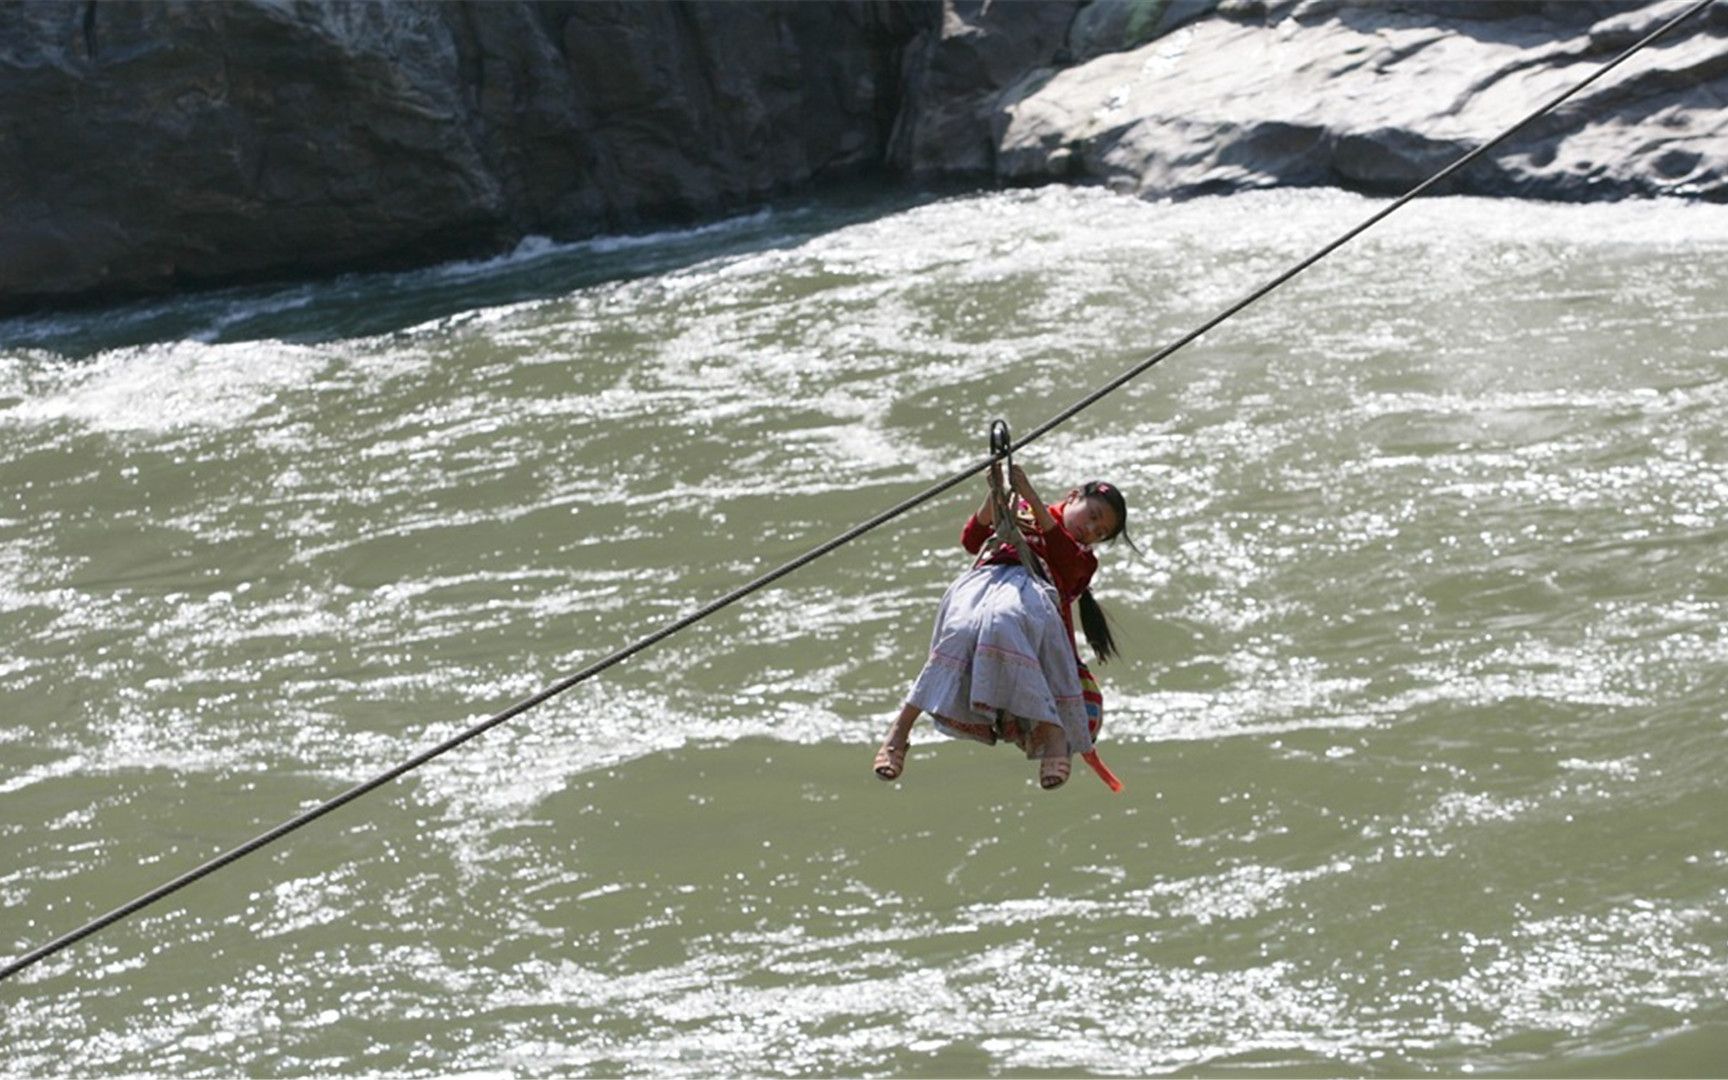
[[210, 316], [1304, 578], [164, 388]]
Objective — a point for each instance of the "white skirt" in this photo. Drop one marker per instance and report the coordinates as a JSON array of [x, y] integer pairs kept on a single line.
[[999, 644]]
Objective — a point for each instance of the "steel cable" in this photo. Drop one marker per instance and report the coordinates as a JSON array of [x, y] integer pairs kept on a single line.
[[759, 583]]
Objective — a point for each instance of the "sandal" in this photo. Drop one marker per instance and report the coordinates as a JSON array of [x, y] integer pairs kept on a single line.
[[1053, 772], [891, 761]]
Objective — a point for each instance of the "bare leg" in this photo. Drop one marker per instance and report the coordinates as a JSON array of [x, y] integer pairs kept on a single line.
[[1054, 762], [891, 758]]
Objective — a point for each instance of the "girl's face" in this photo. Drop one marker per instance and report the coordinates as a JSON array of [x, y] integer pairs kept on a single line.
[[1089, 520]]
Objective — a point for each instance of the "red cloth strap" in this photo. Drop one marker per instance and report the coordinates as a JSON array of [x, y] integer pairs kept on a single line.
[[1091, 758]]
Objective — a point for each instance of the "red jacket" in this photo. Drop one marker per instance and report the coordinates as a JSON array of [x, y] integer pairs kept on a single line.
[[1071, 566], [1071, 563]]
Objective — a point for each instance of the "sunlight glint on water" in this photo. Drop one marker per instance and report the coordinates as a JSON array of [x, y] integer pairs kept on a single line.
[[1419, 713]]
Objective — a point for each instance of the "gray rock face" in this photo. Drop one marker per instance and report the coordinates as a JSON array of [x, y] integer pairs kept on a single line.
[[957, 73], [1376, 98], [145, 146]]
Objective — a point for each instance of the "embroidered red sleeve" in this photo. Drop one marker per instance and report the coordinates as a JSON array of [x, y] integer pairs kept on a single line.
[[974, 536], [1070, 564]]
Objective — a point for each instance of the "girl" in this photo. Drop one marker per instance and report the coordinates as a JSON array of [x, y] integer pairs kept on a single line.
[[1003, 663]]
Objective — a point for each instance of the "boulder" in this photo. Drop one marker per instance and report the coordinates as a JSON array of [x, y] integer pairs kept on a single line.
[[152, 145], [1377, 97], [957, 72]]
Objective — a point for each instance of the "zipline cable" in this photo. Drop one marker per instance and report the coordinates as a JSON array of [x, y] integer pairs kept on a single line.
[[1374, 219], [757, 584]]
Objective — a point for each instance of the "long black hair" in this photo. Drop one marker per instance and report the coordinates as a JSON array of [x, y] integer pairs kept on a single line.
[[1093, 622]]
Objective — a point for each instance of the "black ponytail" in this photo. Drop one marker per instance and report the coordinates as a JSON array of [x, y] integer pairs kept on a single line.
[[1092, 621], [1096, 627]]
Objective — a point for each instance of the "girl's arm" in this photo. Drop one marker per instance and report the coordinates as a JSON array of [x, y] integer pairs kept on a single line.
[[1023, 487], [986, 514], [981, 527]]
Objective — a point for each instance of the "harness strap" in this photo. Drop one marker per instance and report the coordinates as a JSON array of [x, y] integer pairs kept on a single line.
[[1091, 758], [1007, 522], [1007, 528], [1094, 695]]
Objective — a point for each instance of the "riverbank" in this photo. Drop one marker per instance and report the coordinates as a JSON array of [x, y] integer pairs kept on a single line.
[[155, 148]]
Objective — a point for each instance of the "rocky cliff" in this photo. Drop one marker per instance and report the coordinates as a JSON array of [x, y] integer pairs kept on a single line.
[[148, 146]]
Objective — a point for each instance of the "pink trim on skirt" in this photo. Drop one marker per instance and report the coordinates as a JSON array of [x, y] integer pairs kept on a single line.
[[999, 644]]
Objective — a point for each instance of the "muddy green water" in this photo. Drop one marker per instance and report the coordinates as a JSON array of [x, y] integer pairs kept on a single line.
[[1421, 713]]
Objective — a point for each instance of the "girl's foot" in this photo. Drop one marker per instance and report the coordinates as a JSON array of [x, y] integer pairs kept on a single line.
[[1054, 762], [1053, 772], [891, 760]]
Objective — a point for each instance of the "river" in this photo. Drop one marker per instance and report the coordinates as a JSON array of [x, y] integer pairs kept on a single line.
[[1419, 708]]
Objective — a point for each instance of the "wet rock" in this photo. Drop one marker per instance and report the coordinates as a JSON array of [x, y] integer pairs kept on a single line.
[[959, 71], [1377, 97], [145, 146], [149, 145]]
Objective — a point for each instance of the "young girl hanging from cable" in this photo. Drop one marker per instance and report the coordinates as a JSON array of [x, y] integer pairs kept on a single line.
[[1003, 663]]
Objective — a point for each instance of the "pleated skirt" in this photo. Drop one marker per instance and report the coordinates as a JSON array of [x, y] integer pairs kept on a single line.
[[1000, 645]]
